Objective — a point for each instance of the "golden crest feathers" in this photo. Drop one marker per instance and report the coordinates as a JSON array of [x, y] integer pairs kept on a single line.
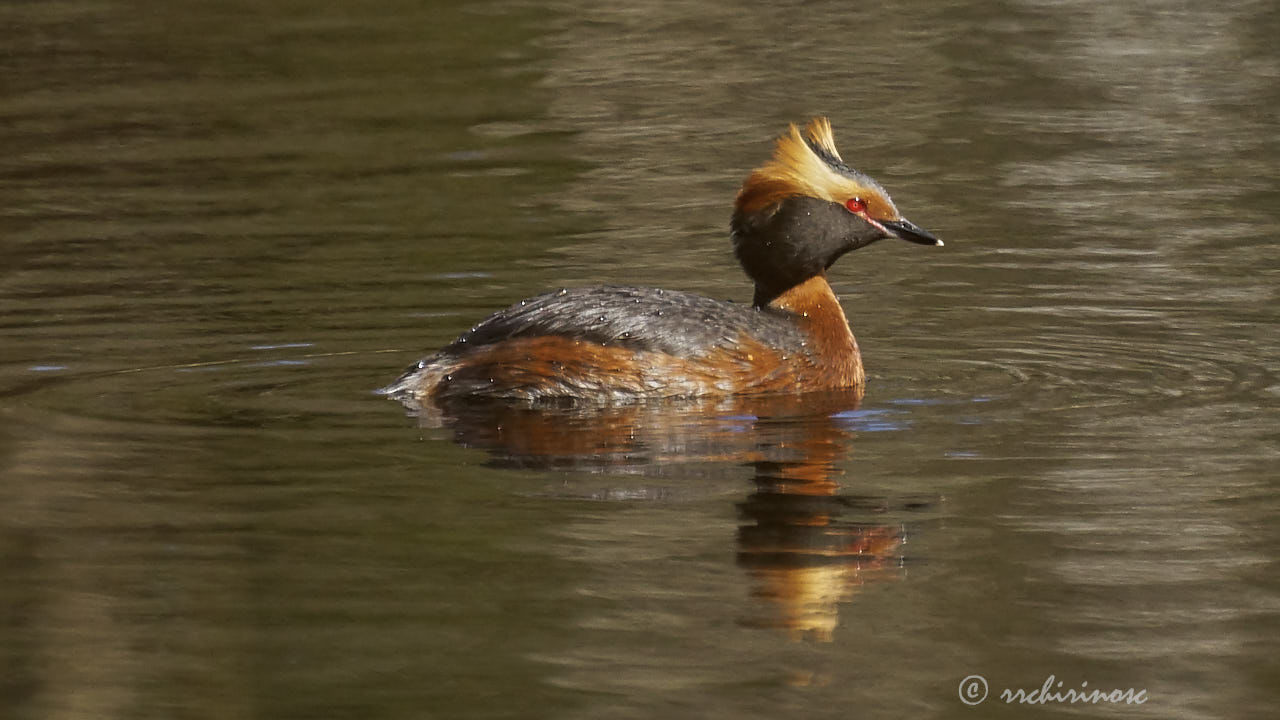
[[808, 163], [819, 131]]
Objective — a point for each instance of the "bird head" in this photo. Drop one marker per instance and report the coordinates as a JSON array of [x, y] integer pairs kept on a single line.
[[798, 213]]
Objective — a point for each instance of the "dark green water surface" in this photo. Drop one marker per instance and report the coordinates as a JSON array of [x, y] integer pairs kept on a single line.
[[223, 224]]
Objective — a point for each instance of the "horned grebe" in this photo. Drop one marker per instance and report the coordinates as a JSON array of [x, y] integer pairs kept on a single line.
[[793, 218]]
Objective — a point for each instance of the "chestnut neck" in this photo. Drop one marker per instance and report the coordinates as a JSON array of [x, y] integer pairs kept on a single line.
[[824, 321], [811, 299]]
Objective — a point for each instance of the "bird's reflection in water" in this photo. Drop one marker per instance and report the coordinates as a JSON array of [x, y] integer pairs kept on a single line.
[[806, 546], [804, 555]]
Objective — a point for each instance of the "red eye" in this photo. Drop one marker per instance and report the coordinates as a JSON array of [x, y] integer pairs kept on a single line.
[[856, 205]]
